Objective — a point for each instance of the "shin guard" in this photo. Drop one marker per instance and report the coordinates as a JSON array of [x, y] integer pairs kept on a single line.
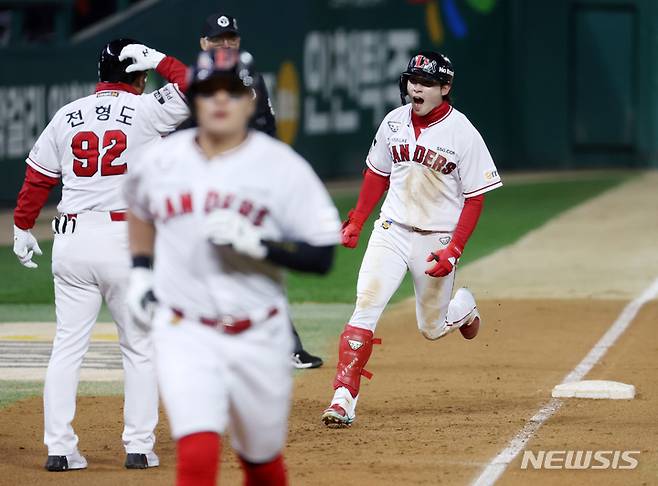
[[354, 350]]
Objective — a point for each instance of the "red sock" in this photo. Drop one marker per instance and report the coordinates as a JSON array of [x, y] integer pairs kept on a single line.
[[271, 473], [198, 459]]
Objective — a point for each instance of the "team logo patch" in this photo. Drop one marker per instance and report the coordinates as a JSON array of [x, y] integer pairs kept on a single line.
[[222, 21], [490, 174], [159, 97], [354, 344], [394, 126], [107, 93], [444, 240], [387, 224]]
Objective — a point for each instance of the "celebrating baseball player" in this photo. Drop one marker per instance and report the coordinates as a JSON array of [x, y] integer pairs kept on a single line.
[[436, 168], [89, 145], [220, 30], [222, 209]]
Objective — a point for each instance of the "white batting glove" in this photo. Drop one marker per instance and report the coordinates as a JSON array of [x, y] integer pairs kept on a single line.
[[140, 298], [226, 227], [145, 58], [25, 245]]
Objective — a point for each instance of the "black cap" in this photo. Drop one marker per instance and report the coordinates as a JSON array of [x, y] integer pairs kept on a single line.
[[110, 69], [218, 24]]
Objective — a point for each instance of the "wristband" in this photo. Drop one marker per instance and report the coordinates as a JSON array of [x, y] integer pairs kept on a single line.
[[142, 261]]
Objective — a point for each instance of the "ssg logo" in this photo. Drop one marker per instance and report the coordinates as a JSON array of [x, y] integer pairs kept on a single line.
[[354, 344]]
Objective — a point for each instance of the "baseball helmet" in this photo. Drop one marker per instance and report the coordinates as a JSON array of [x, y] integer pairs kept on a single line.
[[110, 69], [430, 65], [222, 68]]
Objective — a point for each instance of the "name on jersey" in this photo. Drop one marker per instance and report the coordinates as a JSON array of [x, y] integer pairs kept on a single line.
[[424, 156], [183, 203]]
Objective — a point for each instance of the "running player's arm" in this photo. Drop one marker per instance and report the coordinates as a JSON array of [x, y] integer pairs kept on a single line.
[[309, 222], [376, 178], [478, 175], [141, 228], [141, 239]]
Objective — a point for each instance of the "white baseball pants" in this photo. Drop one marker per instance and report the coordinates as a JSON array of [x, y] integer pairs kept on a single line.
[[392, 250], [89, 266], [213, 382]]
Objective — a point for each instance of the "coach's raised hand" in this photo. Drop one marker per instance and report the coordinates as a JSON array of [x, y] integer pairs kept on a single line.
[[25, 246], [145, 58]]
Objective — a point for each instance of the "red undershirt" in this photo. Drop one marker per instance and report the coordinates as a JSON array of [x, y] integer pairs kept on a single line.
[[421, 122]]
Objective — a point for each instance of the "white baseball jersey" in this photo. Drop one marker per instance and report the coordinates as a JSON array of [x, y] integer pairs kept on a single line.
[[89, 141], [262, 179], [431, 176]]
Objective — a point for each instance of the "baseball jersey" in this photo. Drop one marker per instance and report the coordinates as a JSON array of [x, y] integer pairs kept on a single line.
[[90, 142], [431, 176], [264, 180]]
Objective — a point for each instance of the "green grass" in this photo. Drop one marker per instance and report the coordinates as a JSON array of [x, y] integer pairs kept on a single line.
[[11, 391], [509, 213]]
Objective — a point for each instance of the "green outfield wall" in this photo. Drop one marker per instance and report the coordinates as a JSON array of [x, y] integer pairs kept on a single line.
[[551, 84]]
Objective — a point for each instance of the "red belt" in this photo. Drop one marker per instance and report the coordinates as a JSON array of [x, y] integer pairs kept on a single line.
[[229, 325], [114, 215]]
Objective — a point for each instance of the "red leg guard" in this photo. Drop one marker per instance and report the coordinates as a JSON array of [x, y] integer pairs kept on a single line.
[[198, 459], [271, 473], [354, 350]]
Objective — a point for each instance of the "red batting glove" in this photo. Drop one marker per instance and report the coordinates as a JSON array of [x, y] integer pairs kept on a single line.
[[351, 230], [445, 261]]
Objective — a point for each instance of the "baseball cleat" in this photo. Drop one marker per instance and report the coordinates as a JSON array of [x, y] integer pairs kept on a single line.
[[336, 416], [141, 461], [304, 360], [66, 463]]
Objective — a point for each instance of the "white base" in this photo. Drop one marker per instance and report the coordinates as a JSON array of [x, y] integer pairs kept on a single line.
[[595, 389]]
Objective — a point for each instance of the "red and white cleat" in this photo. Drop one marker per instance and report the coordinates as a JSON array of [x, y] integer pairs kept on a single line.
[[336, 416], [341, 412]]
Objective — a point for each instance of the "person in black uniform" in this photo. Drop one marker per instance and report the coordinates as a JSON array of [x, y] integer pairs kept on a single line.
[[221, 31]]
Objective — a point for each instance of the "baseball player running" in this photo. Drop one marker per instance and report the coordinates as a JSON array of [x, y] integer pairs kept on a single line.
[[88, 145], [221, 31], [223, 208], [436, 168]]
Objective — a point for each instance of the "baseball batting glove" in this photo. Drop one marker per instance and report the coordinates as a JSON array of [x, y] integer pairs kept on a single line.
[[145, 58], [25, 246], [445, 259], [140, 298], [63, 224], [225, 227], [352, 229]]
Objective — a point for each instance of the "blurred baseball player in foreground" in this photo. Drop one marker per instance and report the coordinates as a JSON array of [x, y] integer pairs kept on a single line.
[[221, 31], [222, 209], [436, 168], [88, 146]]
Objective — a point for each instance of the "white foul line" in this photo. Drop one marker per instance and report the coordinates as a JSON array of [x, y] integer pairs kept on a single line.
[[498, 464]]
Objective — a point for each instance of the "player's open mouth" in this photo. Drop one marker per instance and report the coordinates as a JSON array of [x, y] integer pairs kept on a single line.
[[418, 100]]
